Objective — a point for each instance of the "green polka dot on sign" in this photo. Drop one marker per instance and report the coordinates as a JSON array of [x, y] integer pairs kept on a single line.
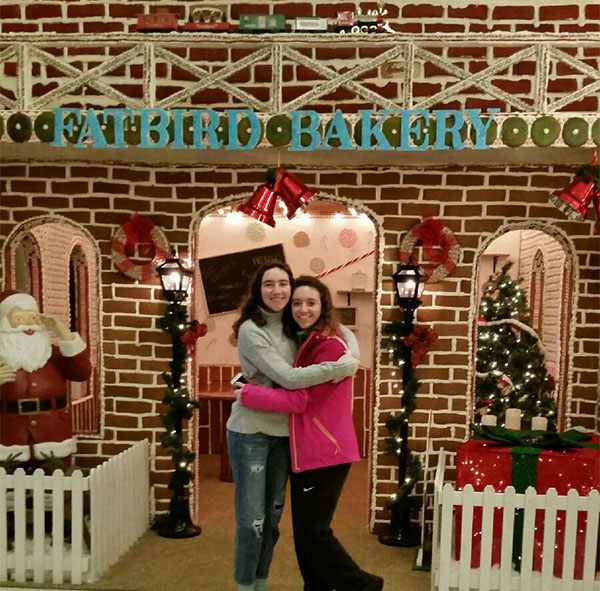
[[1, 127], [358, 132], [596, 132], [575, 132], [545, 131], [279, 130], [244, 130], [19, 127], [391, 130], [44, 126], [514, 132], [223, 129], [132, 130]]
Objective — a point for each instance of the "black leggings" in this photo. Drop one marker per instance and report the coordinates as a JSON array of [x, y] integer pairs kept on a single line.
[[323, 562]]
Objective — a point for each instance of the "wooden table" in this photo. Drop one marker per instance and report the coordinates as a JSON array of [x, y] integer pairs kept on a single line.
[[224, 392]]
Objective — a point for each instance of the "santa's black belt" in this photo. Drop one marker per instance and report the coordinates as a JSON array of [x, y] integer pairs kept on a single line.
[[31, 406]]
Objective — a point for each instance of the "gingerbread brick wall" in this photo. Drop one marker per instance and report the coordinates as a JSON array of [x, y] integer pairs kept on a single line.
[[433, 16], [475, 202]]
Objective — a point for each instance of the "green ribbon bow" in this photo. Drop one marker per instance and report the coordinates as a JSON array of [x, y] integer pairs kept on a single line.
[[534, 439]]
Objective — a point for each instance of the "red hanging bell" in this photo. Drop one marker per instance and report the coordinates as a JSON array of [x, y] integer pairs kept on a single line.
[[261, 206], [575, 199], [294, 193]]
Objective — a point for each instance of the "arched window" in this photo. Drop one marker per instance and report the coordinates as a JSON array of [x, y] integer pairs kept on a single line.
[[68, 288], [536, 291], [27, 267]]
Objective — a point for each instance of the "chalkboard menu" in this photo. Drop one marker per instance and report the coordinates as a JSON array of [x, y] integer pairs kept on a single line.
[[226, 278]]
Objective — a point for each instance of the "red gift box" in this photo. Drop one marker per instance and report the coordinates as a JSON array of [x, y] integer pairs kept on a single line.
[[481, 463]]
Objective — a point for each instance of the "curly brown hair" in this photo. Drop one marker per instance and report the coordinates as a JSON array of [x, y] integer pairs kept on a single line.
[[249, 309], [327, 322]]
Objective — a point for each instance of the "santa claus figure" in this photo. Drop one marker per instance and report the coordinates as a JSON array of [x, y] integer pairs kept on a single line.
[[35, 421]]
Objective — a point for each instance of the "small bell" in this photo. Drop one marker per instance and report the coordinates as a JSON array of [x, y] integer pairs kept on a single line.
[[293, 191], [261, 206], [575, 199]]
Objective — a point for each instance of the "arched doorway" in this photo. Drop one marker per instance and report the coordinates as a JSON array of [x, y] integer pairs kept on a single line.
[[331, 239]]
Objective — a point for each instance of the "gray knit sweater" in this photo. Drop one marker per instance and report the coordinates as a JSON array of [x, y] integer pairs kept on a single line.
[[266, 355]]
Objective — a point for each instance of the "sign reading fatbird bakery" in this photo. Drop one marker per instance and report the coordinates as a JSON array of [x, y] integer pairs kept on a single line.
[[299, 131]]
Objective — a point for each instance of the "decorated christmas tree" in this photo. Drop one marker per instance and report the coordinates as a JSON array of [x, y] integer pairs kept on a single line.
[[511, 371]]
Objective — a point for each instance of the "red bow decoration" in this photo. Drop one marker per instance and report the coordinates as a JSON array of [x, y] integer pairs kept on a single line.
[[192, 334], [420, 341], [137, 229]]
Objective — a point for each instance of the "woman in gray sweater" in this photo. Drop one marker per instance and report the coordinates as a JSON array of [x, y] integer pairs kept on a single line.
[[258, 440]]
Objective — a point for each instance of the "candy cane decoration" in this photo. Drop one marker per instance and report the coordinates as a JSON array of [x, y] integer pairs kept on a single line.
[[346, 264]]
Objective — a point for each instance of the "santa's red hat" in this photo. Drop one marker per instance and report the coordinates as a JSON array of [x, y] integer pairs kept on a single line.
[[12, 298]]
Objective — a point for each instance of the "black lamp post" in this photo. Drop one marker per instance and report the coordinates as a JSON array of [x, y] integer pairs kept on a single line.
[[176, 280], [409, 283]]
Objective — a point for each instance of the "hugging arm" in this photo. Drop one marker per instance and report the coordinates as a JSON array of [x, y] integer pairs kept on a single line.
[[271, 364], [280, 399]]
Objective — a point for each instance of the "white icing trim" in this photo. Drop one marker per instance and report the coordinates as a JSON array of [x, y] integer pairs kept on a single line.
[[8, 450], [60, 449]]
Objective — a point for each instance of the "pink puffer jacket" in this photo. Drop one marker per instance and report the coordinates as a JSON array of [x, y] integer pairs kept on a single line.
[[321, 426]]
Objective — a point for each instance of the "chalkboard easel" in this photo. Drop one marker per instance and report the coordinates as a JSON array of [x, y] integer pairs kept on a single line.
[[226, 277]]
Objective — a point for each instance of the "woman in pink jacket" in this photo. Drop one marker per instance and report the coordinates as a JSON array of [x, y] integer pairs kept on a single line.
[[322, 443]]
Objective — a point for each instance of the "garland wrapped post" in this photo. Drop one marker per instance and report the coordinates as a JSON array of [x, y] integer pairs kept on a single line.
[[409, 467], [177, 522]]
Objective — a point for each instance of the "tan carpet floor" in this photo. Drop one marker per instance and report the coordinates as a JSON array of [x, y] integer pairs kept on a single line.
[[204, 563]]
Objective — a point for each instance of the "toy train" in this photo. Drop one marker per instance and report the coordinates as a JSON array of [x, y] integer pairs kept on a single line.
[[213, 20]]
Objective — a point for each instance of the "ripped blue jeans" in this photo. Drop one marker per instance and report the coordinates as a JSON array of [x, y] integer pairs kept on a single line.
[[260, 465]]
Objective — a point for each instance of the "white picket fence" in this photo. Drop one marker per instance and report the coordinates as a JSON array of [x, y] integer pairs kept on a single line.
[[450, 574], [108, 511]]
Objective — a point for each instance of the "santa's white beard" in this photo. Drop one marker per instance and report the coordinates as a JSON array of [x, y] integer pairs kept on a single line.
[[23, 351]]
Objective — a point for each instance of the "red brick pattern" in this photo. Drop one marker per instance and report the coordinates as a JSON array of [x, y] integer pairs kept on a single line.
[[410, 17], [474, 201]]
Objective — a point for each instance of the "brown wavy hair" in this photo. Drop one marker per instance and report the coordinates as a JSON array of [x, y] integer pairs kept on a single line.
[[249, 309], [328, 322]]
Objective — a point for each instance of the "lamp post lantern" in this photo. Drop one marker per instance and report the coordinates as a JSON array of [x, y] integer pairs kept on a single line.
[[409, 283], [176, 280]]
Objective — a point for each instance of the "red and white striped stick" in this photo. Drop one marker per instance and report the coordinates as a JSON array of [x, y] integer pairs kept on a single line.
[[346, 264]]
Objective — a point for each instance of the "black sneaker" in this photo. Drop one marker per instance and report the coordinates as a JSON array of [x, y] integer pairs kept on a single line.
[[375, 583]]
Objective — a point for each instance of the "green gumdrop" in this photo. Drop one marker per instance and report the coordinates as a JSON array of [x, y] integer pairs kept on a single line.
[[19, 127], [279, 130], [418, 137], [132, 130], [575, 132], [514, 132], [223, 129], [596, 132], [44, 126], [545, 131], [358, 133], [244, 129], [108, 129], [391, 130]]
